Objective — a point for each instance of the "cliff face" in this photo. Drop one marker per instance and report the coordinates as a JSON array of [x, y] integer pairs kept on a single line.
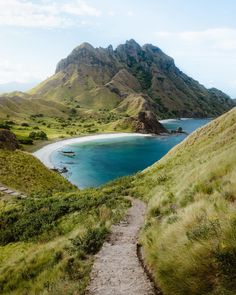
[[131, 75]]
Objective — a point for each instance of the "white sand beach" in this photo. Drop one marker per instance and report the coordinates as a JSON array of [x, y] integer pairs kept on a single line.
[[167, 120], [44, 154]]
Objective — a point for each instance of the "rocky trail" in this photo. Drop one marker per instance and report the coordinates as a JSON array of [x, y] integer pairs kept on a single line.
[[5, 191], [117, 269]]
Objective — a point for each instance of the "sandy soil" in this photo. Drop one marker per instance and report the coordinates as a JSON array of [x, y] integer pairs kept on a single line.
[[117, 269]]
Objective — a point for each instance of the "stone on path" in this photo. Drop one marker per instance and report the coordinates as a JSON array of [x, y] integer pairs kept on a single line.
[[10, 192]]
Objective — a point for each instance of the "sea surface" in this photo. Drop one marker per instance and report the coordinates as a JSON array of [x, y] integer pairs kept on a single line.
[[96, 162]]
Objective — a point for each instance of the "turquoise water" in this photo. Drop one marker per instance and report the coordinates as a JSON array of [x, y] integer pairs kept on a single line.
[[97, 162]]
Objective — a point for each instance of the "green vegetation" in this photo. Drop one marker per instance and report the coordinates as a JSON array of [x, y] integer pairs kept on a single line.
[[189, 236], [35, 129], [103, 92], [23, 172], [38, 135], [47, 241], [96, 78]]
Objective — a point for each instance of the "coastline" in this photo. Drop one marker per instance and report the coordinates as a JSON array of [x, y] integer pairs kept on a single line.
[[44, 153]]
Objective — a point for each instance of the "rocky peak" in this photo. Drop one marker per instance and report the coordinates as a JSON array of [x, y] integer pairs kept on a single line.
[[132, 43], [130, 49], [129, 53], [152, 48], [82, 53], [110, 49], [86, 46]]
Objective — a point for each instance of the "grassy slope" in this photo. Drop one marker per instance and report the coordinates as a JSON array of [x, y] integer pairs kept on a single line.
[[47, 241], [189, 236], [21, 107], [22, 171], [59, 120]]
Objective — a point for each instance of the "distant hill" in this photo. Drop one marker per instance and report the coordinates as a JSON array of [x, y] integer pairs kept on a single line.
[[17, 86], [22, 105]]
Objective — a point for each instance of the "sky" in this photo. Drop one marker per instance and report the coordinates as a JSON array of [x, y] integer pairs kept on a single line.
[[199, 35]]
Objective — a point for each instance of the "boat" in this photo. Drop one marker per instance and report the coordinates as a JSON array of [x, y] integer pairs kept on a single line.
[[68, 153]]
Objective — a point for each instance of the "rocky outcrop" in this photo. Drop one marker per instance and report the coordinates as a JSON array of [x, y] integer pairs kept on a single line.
[[8, 140], [148, 123]]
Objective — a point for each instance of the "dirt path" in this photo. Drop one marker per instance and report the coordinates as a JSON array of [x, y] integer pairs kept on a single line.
[[117, 270]]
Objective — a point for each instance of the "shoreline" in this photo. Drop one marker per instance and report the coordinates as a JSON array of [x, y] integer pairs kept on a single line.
[[44, 154]]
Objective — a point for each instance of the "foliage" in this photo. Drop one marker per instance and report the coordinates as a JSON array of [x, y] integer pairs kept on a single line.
[[91, 242], [5, 126], [189, 236], [25, 140], [23, 172], [38, 135], [48, 239]]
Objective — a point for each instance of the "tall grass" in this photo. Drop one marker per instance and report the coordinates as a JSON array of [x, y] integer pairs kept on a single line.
[[189, 236]]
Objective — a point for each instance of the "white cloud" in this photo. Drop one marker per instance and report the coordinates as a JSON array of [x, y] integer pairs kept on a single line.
[[26, 13], [16, 72], [80, 8], [218, 38], [208, 55], [130, 13], [111, 13], [233, 84]]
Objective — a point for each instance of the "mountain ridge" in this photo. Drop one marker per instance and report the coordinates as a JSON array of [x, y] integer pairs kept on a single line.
[[129, 88], [152, 71]]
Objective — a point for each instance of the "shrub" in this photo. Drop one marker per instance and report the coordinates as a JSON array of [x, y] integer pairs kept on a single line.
[[10, 122], [38, 135], [24, 124], [73, 112], [91, 242], [5, 126], [25, 140]]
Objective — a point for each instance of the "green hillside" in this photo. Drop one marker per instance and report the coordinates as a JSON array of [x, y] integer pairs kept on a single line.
[[189, 236], [21, 105], [105, 90], [23, 172], [47, 241], [105, 77]]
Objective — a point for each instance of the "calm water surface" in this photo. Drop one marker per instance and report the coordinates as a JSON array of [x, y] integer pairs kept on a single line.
[[97, 162]]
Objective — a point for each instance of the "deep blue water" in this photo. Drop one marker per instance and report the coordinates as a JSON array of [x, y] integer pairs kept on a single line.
[[100, 161]]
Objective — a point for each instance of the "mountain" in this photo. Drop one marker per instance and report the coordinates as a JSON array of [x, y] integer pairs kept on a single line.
[[104, 89], [131, 79]]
